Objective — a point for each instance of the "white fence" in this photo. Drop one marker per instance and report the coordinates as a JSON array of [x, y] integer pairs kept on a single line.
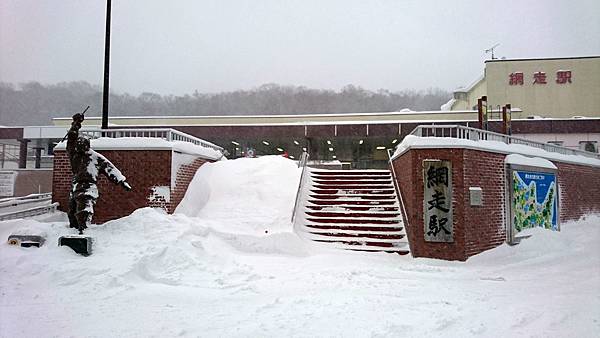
[[163, 133], [474, 134]]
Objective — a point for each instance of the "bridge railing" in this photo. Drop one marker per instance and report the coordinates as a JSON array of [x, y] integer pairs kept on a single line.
[[474, 134]]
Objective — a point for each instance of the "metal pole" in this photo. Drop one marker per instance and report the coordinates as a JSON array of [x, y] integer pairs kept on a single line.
[[105, 89]]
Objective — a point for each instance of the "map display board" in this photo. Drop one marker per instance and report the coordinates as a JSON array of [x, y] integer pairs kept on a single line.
[[534, 200]]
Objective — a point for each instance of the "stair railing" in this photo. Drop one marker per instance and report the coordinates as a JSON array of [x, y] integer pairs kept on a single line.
[[396, 187], [301, 163]]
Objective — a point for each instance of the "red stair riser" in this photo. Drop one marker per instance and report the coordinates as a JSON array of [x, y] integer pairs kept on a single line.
[[350, 221], [355, 228], [349, 214]]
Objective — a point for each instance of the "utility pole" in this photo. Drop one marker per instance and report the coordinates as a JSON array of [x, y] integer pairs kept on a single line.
[[105, 89]]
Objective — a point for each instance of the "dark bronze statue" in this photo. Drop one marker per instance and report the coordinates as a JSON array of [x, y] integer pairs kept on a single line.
[[86, 164]]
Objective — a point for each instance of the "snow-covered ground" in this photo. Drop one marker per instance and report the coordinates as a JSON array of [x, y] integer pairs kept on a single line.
[[228, 264]]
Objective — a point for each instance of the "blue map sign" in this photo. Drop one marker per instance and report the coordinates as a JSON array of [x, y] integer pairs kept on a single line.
[[534, 200]]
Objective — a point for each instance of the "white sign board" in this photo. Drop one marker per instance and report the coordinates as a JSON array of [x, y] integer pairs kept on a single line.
[[7, 183], [437, 201]]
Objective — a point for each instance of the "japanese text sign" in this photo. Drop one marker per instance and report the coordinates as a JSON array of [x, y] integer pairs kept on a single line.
[[437, 201]]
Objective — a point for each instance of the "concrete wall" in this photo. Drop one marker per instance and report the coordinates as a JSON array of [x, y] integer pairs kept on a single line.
[[479, 228]]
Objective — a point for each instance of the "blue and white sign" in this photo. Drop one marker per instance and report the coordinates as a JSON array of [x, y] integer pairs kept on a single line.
[[535, 200]]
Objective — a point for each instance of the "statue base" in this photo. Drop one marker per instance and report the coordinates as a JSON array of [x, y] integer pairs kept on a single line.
[[81, 244], [26, 241]]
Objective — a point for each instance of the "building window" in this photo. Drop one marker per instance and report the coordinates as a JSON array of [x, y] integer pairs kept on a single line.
[[556, 143], [591, 146]]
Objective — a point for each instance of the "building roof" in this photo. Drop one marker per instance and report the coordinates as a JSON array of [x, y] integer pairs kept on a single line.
[[542, 59]]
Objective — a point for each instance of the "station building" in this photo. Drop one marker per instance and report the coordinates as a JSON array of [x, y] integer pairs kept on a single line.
[[546, 87]]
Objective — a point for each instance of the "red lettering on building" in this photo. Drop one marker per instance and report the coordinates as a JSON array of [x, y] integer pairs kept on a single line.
[[563, 76], [515, 78], [539, 78]]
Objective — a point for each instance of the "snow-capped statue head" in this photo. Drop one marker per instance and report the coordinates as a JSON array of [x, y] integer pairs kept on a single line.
[[83, 144]]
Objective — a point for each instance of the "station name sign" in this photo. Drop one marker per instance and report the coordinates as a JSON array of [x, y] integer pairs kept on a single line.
[[540, 78]]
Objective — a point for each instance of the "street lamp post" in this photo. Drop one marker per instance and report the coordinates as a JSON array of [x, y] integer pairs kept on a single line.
[[105, 89]]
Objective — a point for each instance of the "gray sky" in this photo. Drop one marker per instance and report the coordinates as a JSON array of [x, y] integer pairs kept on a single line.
[[178, 46]]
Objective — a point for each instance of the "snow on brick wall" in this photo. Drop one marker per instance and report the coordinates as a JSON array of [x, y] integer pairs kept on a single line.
[[144, 170], [479, 228]]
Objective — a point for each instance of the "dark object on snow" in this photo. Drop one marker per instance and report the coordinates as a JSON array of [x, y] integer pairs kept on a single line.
[[26, 241], [86, 164], [80, 244]]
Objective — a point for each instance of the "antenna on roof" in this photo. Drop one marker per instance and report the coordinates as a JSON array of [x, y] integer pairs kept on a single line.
[[491, 50]]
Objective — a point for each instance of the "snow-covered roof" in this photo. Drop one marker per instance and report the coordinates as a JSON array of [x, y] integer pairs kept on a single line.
[[529, 161], [471, 86], [412, 141], [448, 105], [149, 143]]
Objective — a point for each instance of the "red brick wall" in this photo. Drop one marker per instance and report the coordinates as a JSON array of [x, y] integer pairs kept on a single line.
[[479, 228], [484, 225], [579, 189], [61, 180], [185, 174], [144, 169], [409, 173]]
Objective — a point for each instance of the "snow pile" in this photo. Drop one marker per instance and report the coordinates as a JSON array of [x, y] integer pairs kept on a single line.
[[211, 270], [260, 193]]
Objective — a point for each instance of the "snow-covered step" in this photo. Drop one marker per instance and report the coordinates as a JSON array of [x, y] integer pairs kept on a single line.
[[349, 239], [356, 226], [342, 211], [352, 186], [350, 207], [354, 220], [347, 191], [393, 232], [402, 249], [361, 215], [355, 197], [354, 202]]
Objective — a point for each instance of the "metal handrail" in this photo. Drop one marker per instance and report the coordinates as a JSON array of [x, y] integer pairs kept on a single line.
[[29, 212], [396, 187], [19, 202], [301, 163], [474, 134], [167, 134]]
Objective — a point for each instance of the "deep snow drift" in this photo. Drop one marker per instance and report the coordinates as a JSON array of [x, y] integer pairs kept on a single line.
[[228, 264]]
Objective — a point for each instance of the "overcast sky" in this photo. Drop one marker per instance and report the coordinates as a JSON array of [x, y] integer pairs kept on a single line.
[[178, 46]]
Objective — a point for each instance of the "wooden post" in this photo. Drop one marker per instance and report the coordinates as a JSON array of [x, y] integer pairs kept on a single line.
[[508, 119], [480, 113], [484, 109]]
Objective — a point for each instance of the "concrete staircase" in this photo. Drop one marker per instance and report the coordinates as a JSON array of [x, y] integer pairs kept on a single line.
[[352, 209]]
